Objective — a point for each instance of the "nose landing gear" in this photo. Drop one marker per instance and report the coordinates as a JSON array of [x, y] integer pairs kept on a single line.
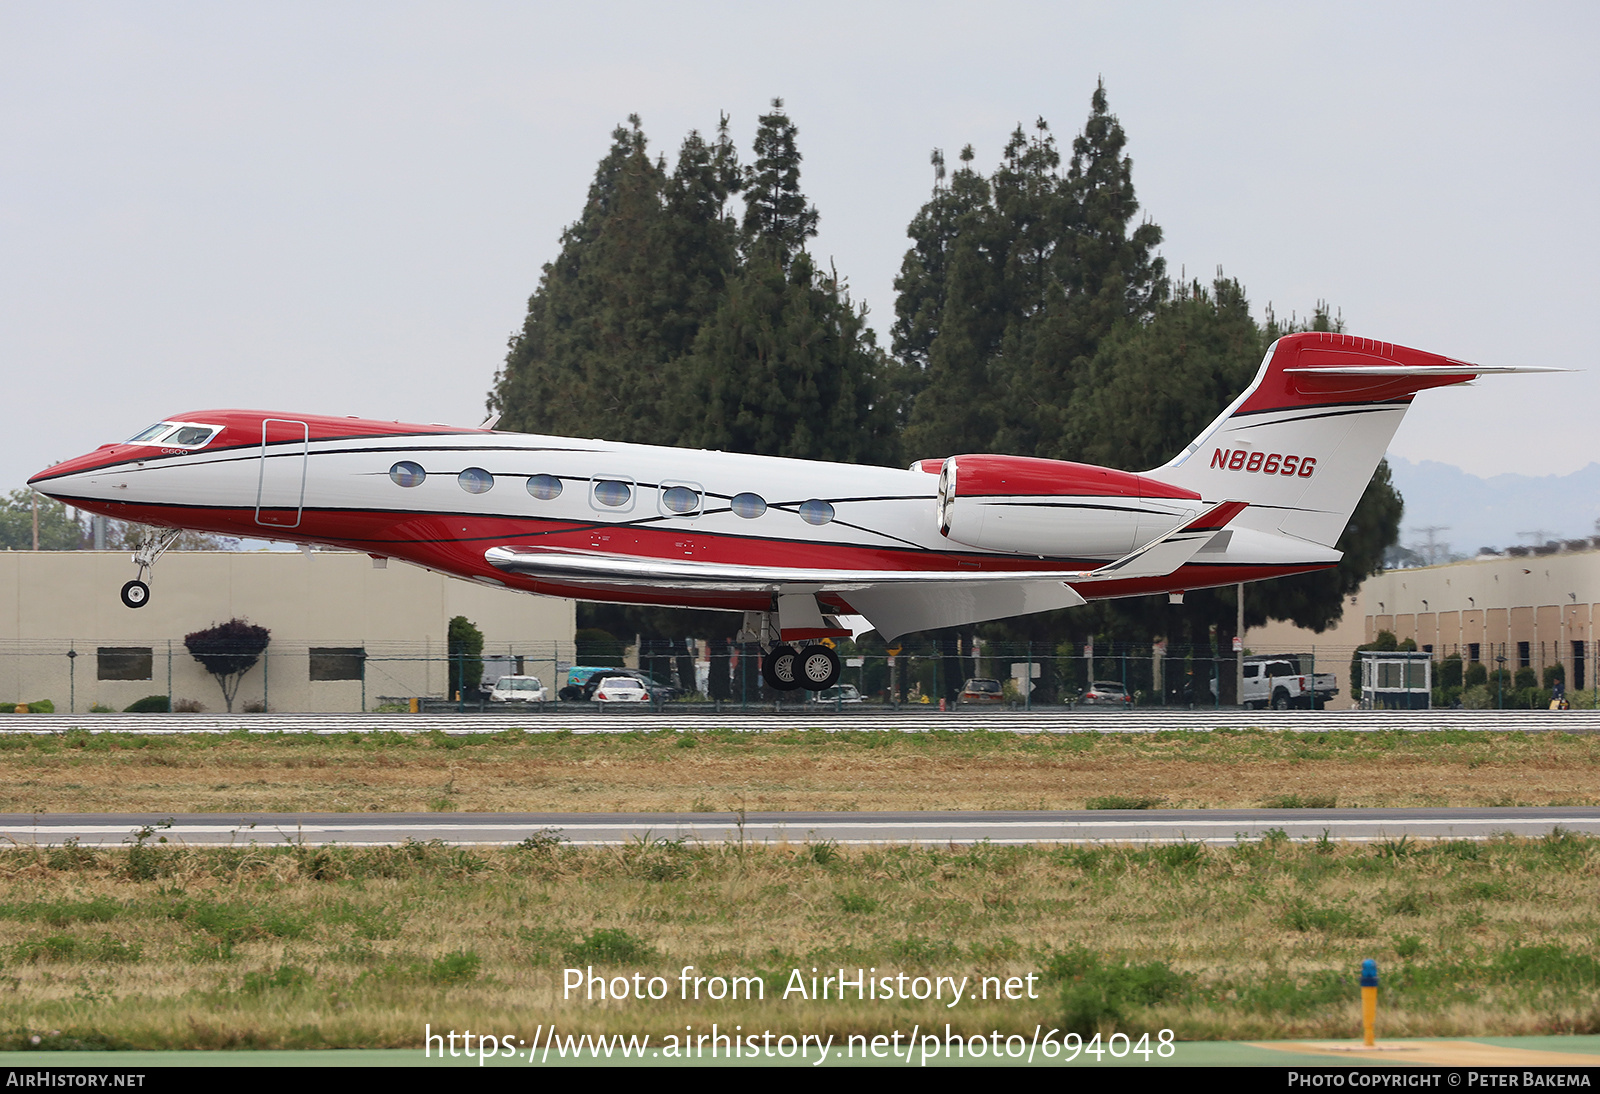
[[136, 593]]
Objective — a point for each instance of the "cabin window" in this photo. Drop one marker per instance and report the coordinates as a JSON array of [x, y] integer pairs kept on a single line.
[[124, 662], [544, 487], [475, 480], [612, 493], [149, 435], [680, 499], [338, 662], [816, 512], [749, 506], [406, 473]]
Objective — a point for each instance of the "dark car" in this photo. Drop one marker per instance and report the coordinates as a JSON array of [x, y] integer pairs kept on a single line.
[[981, 692]]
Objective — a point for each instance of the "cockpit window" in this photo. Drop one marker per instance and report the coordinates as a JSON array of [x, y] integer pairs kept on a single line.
[[176, 435], [190, 436]]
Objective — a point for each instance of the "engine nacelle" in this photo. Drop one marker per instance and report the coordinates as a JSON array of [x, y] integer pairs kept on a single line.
[[1051, 507]]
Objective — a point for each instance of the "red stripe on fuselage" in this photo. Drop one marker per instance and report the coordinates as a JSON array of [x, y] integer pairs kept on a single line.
[[455, 544], [242, 429]]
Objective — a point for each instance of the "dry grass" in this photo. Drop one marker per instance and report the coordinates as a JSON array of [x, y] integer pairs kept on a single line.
[[790, 770], [148, 946]]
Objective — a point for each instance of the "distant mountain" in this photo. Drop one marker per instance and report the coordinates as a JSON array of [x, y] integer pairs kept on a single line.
[[1493, 512]]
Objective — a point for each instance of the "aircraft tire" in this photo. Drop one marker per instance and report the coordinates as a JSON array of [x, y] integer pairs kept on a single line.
[[818, 668], [780, 668], [135, 594]]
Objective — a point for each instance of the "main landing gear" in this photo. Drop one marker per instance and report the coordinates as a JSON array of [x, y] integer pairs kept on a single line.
[[136, 593], [812, 667]]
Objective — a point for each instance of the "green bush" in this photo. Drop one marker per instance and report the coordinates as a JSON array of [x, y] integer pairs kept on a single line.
[[1096, 994], [150, 704], [1476, 673], [1450, 671], [43, 706]]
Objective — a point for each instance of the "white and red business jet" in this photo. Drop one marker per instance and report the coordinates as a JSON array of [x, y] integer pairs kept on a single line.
[[806, 548]]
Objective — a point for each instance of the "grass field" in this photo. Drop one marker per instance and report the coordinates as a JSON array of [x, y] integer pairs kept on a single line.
[[790, 770], [147, 946]]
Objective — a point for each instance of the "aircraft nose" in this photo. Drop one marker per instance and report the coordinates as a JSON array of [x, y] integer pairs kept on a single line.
[[54, 476]]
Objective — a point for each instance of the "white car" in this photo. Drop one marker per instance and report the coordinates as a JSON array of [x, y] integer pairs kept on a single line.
[[841, 693], [621, 689], [519, 689]]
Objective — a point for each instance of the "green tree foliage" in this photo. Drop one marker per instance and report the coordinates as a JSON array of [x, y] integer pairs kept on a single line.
[[664, 320], [622, 304], [778, 219], [227, 651], [60, 529], [464, 641], [787, 367], [597, 647], [1012, 282]]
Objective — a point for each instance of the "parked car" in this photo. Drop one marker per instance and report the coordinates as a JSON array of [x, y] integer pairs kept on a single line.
[[981, 692], [518, 689], [621, 689], [583, 680], [839, 693], [1105, 693]]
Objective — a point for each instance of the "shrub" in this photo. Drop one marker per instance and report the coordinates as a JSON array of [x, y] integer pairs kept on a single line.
[[150, 704], [1096, 994]]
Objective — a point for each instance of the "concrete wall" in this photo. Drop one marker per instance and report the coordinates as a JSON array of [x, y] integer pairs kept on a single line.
[[55, 601], [1547, 602]]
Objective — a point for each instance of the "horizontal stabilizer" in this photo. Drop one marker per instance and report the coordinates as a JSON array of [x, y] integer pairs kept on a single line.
[[1160, 557]]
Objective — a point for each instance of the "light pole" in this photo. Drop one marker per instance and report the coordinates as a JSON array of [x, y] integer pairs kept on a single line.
[[1500, 681]]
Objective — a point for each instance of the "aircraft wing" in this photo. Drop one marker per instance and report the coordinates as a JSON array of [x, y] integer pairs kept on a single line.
[[895, 601]]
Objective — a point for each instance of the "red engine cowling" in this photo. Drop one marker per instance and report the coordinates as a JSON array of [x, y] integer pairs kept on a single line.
[[1051, 507]]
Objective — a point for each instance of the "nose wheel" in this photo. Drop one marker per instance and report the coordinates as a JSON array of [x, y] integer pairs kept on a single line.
[[136, 593]]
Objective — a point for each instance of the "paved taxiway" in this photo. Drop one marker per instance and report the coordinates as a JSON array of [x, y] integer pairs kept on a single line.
[[1214, 826], [689, 718]]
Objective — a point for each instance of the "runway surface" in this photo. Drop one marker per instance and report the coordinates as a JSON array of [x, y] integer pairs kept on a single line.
[[594, 718], [1211, 826]]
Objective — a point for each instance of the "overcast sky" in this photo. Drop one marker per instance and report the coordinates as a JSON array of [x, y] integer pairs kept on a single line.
[[343, 207]]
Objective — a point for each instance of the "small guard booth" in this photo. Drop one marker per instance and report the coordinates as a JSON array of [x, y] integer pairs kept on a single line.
[[1396, 680]]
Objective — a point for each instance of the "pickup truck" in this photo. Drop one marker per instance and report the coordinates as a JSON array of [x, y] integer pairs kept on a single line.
[[1278, 682]]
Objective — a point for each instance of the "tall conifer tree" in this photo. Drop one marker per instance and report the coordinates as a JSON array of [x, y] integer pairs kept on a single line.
[[787, 366]]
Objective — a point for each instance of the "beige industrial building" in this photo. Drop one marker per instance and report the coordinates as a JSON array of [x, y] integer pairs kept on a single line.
[[1535, 610], [346, 633]]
